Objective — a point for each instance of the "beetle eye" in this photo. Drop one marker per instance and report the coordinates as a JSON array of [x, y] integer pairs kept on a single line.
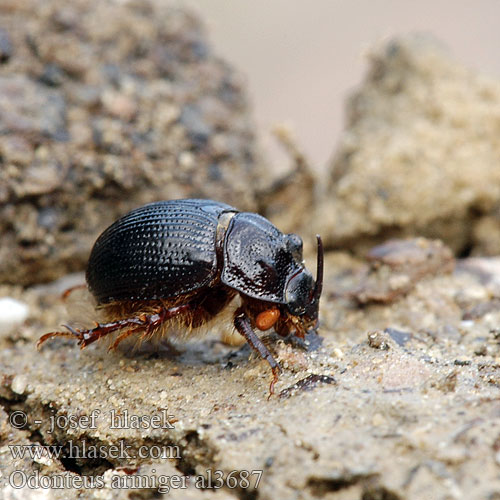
[[294, 246], [298, 292]]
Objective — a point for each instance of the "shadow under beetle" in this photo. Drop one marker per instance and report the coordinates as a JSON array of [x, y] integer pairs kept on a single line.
[[182, 262]]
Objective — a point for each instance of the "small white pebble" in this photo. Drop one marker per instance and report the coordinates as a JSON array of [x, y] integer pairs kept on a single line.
[[186, 159], [42, 460], [338, 353], [467, 323], [19, 384], [12, 313]]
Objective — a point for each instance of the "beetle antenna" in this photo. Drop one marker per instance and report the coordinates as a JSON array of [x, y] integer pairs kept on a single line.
[[319, 271]]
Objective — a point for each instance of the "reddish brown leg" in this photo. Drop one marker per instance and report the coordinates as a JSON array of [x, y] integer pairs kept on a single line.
[[71, 289], [124, 335], [242, 324], [146, 322]]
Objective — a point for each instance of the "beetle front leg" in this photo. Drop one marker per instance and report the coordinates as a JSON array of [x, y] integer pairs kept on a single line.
[[244, 327]]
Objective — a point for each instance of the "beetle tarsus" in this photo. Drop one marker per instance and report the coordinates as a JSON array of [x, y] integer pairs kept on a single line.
[[276, 375], [71, 333]]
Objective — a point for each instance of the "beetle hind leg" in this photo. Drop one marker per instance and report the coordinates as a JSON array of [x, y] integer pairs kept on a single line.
[[147, 323], [122, 336], [86, 337]]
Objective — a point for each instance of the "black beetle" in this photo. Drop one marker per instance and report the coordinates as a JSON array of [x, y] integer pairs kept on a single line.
[[182, 262]]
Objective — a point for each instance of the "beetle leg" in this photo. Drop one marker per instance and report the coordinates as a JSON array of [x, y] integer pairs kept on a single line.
[[71, 289], [153, 321], [70, 333], [146, 322], [242, 324], [123, 336], [86, 337]]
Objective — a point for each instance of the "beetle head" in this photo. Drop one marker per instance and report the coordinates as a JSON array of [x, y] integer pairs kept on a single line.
[[302, 294]]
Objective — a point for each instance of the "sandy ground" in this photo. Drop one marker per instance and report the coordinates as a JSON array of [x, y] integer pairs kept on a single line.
[[400, 400]]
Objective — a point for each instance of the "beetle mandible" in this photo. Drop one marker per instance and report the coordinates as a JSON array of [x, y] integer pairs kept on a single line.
[[182, 262]]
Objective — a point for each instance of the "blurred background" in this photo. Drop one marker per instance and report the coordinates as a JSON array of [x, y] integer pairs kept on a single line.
[[105, 106], [301, 61]]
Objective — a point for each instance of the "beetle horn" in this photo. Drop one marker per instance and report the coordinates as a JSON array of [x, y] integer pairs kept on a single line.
[[319, 271]]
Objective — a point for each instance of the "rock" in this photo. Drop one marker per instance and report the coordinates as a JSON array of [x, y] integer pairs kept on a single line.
[[398, 265], [29, 108], [97, 118], [419, 155], [378, 340]]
